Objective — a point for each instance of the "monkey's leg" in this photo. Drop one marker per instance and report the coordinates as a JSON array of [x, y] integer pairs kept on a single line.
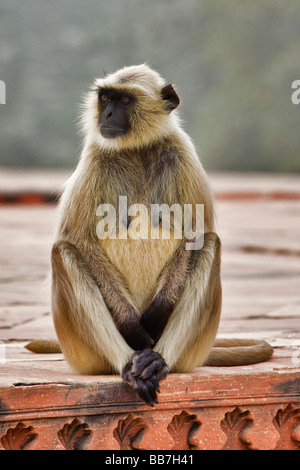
[[85, 328], [114, 292], [190, 332], [87, 333]]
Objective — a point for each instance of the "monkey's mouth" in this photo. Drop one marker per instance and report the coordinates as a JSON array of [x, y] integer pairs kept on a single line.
[[111, 132]]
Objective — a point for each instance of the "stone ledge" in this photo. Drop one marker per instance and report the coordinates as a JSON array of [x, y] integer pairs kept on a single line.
[[238, 408]]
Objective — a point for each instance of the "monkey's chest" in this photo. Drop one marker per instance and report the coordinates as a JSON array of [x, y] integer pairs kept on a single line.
[[140, 261]]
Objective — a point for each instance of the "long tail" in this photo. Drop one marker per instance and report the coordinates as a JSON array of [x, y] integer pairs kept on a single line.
[[44, 346], [238, 352], [225, 353]]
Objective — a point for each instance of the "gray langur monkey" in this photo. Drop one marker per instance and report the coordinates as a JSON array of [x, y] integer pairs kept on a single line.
[[141, 307]]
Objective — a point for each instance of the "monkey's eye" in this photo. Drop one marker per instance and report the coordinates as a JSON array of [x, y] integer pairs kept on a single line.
[[104, 98], [125, 99]]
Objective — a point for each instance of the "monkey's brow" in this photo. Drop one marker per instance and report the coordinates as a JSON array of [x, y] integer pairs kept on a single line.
[[96, 88]]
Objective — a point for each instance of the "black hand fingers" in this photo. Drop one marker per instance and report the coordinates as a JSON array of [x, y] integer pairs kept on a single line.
[[146, 391], [126, 373], [141, 360], [144, 373], [155, 383], [154, 367], [163, 372], [146, 363]]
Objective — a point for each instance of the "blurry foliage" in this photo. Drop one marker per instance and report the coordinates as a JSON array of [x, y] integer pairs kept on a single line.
[[233, 63]]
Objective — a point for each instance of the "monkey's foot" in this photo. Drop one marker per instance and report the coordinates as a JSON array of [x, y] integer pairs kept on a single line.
[[144, 373]]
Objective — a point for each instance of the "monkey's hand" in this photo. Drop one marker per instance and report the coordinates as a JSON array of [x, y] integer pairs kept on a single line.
[[144, 372]]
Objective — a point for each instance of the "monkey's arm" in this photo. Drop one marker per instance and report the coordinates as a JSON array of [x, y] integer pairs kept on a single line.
[[115, 294], [85, 328], [170, 286]]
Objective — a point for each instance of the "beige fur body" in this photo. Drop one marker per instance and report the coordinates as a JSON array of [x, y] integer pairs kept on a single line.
[[148, 258]]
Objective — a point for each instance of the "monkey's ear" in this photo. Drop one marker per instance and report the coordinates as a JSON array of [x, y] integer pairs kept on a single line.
[[170, 96]]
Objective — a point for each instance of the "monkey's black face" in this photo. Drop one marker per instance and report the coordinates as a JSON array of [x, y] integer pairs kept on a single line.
[[114, 106]]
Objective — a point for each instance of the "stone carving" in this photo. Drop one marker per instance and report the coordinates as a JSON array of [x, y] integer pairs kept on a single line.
[[18, 438], [287, 423], [183, 428], [75, 436], [236, 425], [129, 432]]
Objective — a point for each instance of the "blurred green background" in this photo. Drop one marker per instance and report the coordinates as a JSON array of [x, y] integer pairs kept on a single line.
[[232, 62]]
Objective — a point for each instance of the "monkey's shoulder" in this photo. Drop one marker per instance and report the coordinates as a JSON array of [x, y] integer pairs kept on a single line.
[[158, 160], [148, 162], [165, 150]]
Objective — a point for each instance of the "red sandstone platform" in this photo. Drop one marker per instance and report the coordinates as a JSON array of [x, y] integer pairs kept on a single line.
[[43, 405]]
